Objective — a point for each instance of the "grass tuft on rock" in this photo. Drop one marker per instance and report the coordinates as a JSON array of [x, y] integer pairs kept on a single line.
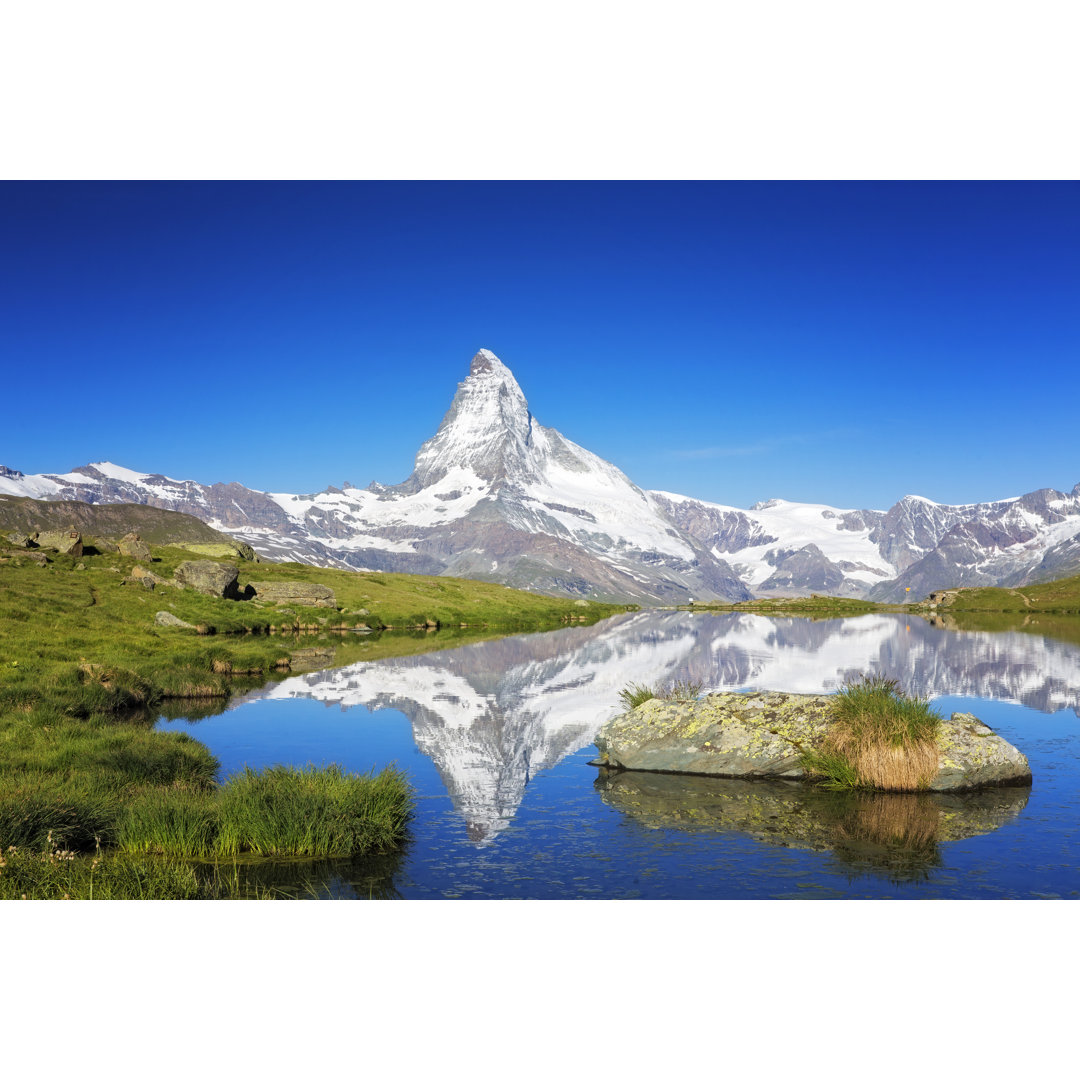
[[879, 738], [634, 694]]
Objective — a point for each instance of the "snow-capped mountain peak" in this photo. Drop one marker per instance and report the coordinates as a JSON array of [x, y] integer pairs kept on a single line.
[[486, 430]]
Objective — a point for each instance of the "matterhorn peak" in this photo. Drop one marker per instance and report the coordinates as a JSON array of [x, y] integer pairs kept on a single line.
[[485, 361], [487, 367], [488, 428]]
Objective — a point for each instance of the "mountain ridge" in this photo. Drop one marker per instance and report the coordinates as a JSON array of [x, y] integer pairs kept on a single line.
[[494, 495]]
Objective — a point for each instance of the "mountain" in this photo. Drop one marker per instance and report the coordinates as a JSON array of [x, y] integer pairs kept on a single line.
[[496, 496]]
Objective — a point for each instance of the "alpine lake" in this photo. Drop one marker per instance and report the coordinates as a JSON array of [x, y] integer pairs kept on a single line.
[[497, 739]]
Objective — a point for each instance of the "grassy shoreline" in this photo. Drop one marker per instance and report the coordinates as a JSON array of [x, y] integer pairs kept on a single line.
[[1060, 597], [93, 802]]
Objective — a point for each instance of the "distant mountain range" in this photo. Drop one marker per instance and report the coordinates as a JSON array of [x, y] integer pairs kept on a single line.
[[497, 497]]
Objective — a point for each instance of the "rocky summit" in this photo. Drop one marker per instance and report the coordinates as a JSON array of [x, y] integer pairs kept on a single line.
[[496, 496]]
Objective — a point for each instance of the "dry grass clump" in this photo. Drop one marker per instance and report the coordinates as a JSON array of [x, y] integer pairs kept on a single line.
[[879, 738]]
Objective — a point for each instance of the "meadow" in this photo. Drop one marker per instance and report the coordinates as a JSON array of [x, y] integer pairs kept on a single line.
[[93, 802]]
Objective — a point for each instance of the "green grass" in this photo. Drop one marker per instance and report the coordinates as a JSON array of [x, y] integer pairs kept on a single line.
[[1060, 597], [1052, 625], [171, 822], [56, 875], [878, 738], [634, 694], [325, 812], [875, 707], [84, 671], [55, 617], [832, 770], [279, 811]]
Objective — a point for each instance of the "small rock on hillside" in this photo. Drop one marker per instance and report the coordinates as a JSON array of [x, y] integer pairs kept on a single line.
[[146, 578], [134, 548], [166, 618]]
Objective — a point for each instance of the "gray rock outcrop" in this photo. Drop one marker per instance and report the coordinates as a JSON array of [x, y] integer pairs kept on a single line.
[[134, 548], [66, 542], [766, 734], [211, 578], [307, 594]]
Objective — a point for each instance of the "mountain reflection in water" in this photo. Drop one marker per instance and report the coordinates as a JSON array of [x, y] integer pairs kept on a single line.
[[492, 715]]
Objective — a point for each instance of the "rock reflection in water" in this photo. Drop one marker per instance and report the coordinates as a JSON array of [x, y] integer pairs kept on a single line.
[[896, 837]]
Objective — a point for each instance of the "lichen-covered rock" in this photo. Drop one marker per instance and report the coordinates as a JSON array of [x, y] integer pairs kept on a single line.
[[211, 578], [294, 592], [748, 735], [66, 542], [765, 734], [134, 548], [972, 755]]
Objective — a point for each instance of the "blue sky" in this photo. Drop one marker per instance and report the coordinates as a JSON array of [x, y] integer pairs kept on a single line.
[[845, 343]]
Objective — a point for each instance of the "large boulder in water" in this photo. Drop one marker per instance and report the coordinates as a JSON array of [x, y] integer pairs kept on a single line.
[[305, 593], [766, 733], [211, 578]]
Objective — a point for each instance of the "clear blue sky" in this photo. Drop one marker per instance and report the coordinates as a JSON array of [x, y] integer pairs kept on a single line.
[[845, 343]]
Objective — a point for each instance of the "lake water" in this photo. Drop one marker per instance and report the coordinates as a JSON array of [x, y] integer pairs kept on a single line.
[[497, 737]]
